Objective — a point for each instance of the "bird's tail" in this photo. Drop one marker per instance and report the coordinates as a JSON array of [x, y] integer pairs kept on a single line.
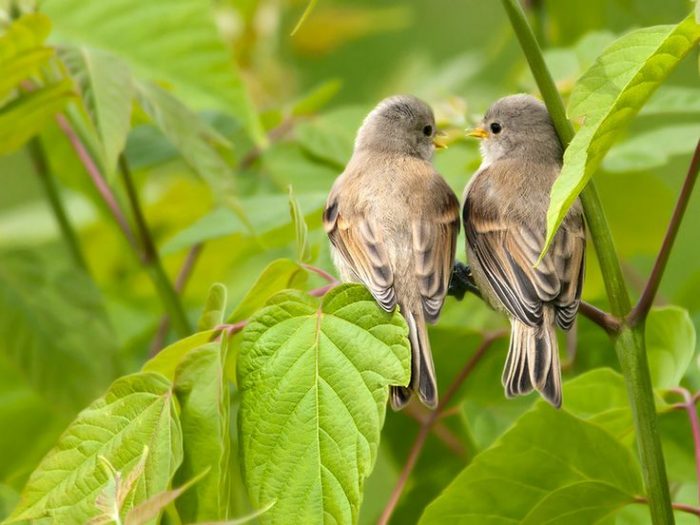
[[533, 360], [423, 381]]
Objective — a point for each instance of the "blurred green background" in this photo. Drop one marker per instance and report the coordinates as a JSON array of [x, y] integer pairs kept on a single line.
[[64, 334]]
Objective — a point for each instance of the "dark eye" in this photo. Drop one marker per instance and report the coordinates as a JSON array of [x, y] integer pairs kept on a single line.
[[496, 128], [427, 131]]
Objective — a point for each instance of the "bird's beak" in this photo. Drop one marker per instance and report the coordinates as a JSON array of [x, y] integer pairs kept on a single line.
[[439, 140], [479, 133]]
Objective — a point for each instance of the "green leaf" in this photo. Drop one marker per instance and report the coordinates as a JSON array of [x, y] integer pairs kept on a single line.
[[41, 305], [636, 154], [173, 42], [317, 97], [136, 411], [166, 361], [22, 50], [670, 339], [214, 308], [106, 88], [277, 276], [313, 378], [192, 137], [608, 96], [203, 393], [330, 137], [531, 474], [301, 230], [27, 114]]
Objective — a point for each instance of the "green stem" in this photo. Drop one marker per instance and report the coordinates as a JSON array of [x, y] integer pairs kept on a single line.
[[629, 342], [41, 166], [150, 258]]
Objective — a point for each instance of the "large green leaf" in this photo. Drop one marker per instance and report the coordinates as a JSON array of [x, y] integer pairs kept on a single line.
[[192, 137], [168, 359], [27, 114], [53, 328], [670, 340], [106, 88], [606, 98], [203, 393], [313, 380], [534, 472], [176, 42], [136, 412], [22, 50]]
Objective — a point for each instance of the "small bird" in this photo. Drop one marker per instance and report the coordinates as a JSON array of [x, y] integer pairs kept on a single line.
[[504, 214], [393, 223]]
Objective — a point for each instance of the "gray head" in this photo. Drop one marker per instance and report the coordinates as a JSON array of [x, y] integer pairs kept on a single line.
[[402, 124], [518, 126]]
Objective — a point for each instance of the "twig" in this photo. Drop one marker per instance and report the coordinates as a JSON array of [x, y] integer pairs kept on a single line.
[[427, 425], [605, 320], [323, 273], [688, 405], [440, 430], [180, 283], [100, 184], [273, 136], [645, 302], [41, 167], [150, 258], [683, 507]]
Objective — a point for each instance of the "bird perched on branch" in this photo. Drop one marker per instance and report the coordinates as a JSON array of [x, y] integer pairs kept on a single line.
[[393, 223], [504, 214]]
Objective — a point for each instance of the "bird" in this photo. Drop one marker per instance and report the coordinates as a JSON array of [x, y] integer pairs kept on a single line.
[[393, 222], [504, 217]]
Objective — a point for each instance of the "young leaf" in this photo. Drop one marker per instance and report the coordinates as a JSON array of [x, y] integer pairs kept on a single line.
[[26, 115], [106, 88], [606, 98], [149, 509], [192, 137], [535, 471], [22, 50], [313, 380], [203, 393], [167, 360], [155, 48], [136, 411], [670, 339], [214, 308], [301, 230]]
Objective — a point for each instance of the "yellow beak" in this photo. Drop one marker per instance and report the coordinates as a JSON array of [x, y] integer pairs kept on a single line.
[[439, 139], [479, 133]]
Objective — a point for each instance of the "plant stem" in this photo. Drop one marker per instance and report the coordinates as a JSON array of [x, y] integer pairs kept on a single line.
[[646, 300], [41, 167], [150, 259], [427, 425], [629, 342], [683, 507]]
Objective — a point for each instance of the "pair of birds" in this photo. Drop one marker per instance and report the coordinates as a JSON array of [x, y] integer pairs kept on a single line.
[[393, 223]]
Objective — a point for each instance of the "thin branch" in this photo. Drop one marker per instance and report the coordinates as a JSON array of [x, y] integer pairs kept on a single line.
[[605, 320], [640, 311], [151, 259], [41, 167], [440, 430], [100, 184], [321, 272], [683, 507], [427, 425], [688, 405], [180, 283]]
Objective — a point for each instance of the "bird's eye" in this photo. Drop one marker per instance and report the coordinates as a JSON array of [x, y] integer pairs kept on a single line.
[[496, 128], [428, 131]]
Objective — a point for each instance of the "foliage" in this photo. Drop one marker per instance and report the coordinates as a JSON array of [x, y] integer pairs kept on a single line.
[[162, 157]]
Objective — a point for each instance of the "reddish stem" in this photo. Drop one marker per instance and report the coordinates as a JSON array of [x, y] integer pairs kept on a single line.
[[430, 421], [323, 273], [683, 507], [688, 405]]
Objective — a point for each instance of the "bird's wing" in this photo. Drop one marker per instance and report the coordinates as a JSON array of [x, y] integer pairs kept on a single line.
[[360, 244], [434, 244], [508, 250]]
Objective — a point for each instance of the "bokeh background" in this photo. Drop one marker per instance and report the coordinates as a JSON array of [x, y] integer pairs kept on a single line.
[[307, 95]]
